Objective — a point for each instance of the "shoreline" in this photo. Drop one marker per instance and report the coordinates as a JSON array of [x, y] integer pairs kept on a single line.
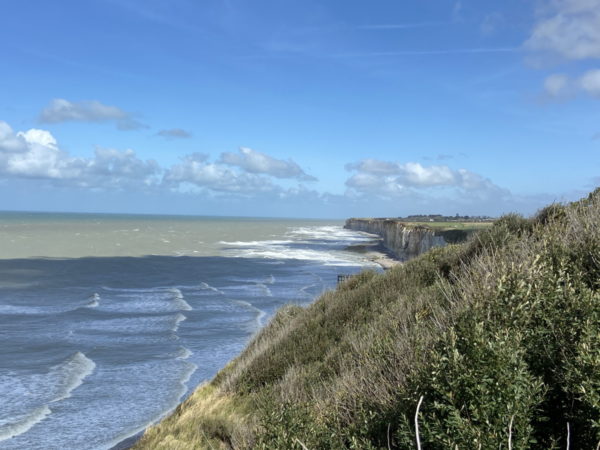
[[129, 442], [374, 252], [377, 253]]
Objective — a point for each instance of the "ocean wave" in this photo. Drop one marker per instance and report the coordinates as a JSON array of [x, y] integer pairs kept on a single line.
[[183, 353], [155, 299], [57, 385], [325, 257], [71, 374], [176, 321], [328, 233], [24, 310], [179, 301], [207, 286], [255, 243], [324, 244], [304, 289], [94, 301], [24, 423], [260, 314], [265, 289]]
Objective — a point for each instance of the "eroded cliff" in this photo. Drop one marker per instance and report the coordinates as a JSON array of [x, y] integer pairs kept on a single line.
[[407, 240]]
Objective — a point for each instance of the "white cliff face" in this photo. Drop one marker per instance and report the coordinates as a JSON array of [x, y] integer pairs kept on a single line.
[[403, 240]]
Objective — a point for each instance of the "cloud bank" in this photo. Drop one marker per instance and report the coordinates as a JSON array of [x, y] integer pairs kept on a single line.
[[61, 110], [35, 154], [259, 163], [248, 181], [393, 179]]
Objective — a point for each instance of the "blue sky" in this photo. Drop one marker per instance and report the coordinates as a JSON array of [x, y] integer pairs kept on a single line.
[[303, 109]]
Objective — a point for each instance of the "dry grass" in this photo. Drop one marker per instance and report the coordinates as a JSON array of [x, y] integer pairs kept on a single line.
[[208, 419]]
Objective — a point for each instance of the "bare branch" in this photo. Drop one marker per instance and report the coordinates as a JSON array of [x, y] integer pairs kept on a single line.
[[417, 424], [510, 432]]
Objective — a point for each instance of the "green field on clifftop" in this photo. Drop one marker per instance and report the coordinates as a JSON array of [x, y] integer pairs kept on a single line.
[[466, 226], [497, 339]]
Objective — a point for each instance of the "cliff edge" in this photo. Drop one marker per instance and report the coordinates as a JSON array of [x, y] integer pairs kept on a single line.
[[407, 240]]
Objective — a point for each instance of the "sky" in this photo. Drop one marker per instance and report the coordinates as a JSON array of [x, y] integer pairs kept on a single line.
[[279, 108]]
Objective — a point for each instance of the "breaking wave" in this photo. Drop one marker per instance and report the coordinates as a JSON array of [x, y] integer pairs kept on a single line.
[[24, 423]]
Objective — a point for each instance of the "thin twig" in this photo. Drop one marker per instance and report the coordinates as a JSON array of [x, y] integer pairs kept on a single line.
[[510, 432], [388, 436], [568, 436], [417, 423], [301, 444], [207, 440]]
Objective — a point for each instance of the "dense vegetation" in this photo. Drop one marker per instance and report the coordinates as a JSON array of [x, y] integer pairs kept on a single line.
[[499, 337]]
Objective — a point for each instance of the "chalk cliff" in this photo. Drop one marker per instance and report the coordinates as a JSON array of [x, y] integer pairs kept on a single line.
[[407, 240]]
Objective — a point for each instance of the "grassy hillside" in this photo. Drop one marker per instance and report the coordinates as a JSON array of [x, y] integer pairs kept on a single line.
[[499, 337]]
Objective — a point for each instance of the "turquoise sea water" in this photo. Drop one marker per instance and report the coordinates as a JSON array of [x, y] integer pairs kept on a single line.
[[108, 321]]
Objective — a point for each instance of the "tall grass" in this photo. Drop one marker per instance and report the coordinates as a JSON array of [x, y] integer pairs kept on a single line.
[[500, 336]]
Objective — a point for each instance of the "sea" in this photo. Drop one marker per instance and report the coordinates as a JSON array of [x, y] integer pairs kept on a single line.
[[108, 322]]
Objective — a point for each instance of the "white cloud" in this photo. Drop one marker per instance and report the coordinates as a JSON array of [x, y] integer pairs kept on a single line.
[[392, 179], [196, 170], [259, 163], [9, 142], [36, 154], [414, 174], [175, 133], [61, 110], [561, 86], [569, 29], [374, 166], [590, 82], [557, 85]]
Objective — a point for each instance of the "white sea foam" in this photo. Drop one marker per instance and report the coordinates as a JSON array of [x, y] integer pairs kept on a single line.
[[179, 301], [56, 385], [177, 320], [207, 286], [155, 299], [183, 353], [260, 314], [23, 423], [328, 233], [306, 288], [33, 310], [70, 375], [324, 244], [326, 257], [12, 309], [255, 243], [265, 289], [187, 374], [94, 301]]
